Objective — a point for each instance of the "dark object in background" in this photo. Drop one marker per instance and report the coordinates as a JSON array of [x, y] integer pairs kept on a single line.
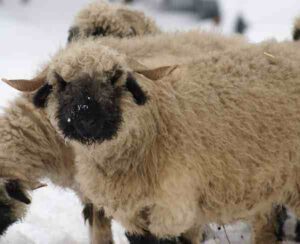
[[128, 1], [205, 9], [296, 35], [240, 25], [208, 9]]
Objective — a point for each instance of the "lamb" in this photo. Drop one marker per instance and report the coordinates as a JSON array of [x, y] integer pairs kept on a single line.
[[103, 19], [191, 146]]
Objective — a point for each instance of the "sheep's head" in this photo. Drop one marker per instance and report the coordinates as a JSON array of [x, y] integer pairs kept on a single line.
[[102, 19], [84, 91], [87, 87]]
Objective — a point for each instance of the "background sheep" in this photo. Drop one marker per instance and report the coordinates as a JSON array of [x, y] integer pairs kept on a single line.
[[103, 19], [227, 126], [31, 150]]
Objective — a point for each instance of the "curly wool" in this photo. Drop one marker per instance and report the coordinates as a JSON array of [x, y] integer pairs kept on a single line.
[[217, 141], [171, 48], [102, 19]]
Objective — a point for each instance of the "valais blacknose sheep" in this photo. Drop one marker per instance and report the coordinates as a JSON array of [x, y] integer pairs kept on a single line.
[[103, 19], [30, 147], [168, 150]]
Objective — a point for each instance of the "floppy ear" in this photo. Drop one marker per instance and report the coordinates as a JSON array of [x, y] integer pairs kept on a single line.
[[41, 96], [137, 92], [158, 73]]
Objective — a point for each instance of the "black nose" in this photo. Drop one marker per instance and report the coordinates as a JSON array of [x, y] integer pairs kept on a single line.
[[85, 119], [87, 124], [87, 127]]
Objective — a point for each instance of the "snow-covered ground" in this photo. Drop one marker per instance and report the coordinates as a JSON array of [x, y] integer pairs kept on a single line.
[[31, 33]]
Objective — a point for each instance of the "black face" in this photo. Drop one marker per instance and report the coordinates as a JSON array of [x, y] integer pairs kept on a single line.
[[89, 111]]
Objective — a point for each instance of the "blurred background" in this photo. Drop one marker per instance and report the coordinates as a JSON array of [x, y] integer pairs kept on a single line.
[[32, 30]]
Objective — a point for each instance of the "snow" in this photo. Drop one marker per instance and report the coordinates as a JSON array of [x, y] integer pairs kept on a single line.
[[31, 33]]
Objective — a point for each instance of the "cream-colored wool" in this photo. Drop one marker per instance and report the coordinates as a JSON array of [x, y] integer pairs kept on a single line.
[[30, 147], [34, 165], [172, 48], [30, 150], [217, 141], [102, 19]]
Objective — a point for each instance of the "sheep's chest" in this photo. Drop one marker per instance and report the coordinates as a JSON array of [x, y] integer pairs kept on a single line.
[[136, 209]]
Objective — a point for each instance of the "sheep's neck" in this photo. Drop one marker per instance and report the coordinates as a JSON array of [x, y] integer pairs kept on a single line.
[[131, 157]]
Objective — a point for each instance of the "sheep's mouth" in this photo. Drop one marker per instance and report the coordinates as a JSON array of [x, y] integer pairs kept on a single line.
[[90, 122]]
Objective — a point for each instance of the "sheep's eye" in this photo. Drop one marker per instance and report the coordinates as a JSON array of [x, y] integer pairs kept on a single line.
[[99, 31], [61, 82], [116, 76]]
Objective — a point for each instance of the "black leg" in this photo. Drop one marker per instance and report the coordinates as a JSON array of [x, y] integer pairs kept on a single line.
[[151, 239]]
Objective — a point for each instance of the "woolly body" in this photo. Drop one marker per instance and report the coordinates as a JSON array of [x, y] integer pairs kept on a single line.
[[217, 140]]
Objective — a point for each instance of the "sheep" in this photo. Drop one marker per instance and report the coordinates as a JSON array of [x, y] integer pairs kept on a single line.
[[296, 32], [200, 44], [30, 150], [20, 133], [191, 147], [102, 19]]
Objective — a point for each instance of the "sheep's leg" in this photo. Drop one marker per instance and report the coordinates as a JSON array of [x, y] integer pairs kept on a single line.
[[148, 238], [196, 235], [289, 222], [100, 226], [263, 228]]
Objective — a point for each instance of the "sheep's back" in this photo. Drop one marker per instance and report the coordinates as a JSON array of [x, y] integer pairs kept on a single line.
[[237, 125]]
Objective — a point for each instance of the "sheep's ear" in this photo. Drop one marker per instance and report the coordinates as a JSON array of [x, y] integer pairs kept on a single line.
[[158, 73], [137, 92], [135, 65], [28, 85], [41, 96]]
